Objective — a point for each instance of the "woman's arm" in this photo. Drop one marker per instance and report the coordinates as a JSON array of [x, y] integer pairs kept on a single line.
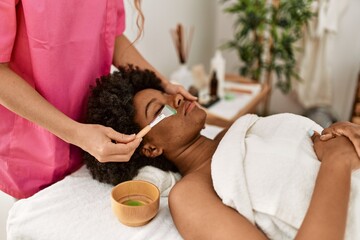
[[348, 129], [18, 96], [125, 53], [198, 212], [326, 216]]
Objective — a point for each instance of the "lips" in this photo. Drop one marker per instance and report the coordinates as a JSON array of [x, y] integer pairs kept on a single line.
[[189, 106]]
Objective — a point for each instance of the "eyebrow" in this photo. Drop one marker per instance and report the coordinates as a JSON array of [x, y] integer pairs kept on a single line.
[[148, 105]]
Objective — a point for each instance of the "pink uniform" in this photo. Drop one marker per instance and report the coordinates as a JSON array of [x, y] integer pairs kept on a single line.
[[59, 47]]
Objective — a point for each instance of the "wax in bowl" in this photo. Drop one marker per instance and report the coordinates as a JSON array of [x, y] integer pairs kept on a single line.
[[135, 202]]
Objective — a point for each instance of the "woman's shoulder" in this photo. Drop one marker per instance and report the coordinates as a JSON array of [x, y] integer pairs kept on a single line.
[[191, 184]]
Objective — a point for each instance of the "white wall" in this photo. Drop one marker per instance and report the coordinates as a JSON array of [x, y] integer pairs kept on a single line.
[[161, 16]]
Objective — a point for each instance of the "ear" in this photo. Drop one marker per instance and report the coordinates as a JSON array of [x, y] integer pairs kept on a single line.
[[150, 150]]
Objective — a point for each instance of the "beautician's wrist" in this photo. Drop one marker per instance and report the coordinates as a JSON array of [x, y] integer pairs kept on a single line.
[[71, 132]]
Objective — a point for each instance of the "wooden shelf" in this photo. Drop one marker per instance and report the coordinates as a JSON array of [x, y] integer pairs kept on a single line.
[[249, 107]]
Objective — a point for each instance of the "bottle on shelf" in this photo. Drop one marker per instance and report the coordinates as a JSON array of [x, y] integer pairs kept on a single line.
[[214, 84], [218, 66]]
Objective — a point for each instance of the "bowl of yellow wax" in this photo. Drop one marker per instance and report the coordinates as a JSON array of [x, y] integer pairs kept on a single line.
[[135, 202]]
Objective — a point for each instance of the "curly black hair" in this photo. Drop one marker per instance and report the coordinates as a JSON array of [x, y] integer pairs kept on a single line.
[[111, 104]]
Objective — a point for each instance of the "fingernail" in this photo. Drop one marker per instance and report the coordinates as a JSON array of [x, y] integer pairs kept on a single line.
[[310, 132]]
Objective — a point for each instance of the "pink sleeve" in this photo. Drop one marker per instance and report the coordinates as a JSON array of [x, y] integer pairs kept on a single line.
[[121, 19], [7, 28]]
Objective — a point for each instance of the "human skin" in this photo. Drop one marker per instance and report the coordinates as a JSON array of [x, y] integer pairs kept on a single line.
[[347, 129], [198, 212]]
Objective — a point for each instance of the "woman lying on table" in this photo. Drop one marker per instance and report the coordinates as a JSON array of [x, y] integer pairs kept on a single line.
[[261, 179]]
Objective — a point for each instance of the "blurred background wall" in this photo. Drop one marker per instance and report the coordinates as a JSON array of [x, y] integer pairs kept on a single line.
[[213, 28], [161, 16]]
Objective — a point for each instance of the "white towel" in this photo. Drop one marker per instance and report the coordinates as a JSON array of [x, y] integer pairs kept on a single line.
[[266, 168], [78, 207], [164, 180]]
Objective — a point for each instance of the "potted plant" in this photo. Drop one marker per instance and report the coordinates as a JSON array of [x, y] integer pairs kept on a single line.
[[265, 33]]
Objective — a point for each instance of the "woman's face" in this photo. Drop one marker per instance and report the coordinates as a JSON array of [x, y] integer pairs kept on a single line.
[[174, 132]]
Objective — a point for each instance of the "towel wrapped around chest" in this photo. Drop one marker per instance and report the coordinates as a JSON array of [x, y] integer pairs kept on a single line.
[[266, 168]]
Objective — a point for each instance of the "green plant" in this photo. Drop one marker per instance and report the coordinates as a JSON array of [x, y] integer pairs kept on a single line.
[[265, 33]]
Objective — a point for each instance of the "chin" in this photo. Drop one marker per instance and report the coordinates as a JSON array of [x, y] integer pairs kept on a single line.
[[194, 121], [199, 120], [203, 117]]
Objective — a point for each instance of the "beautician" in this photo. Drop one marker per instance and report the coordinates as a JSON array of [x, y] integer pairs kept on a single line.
[[50, 53]]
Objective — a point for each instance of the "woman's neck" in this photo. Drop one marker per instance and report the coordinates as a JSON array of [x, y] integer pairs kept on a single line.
[[197, 155]]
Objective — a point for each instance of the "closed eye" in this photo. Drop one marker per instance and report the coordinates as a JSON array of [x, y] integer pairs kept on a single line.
[[159, 110]]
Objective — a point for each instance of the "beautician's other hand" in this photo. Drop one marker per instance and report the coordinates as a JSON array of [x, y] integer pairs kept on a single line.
[[174, 89], [99, 141], [348, 129], [336, 149]]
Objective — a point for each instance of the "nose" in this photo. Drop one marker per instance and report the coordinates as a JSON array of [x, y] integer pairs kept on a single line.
[[178, 99]]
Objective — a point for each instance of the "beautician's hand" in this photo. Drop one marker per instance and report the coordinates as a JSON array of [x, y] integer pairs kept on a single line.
[[174, 89], [99, 141], [336, 149], [348, 129]]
